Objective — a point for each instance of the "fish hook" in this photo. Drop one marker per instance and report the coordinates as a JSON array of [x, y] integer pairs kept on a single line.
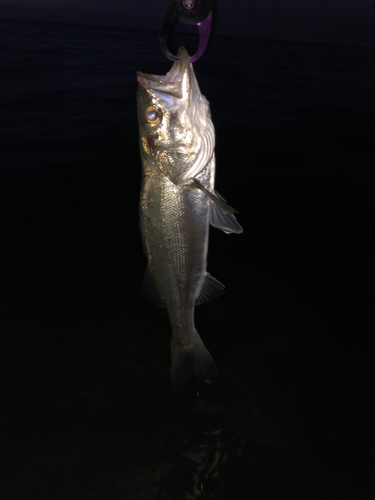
[[197, 12]]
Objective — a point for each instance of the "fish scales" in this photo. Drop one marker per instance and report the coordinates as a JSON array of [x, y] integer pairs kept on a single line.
[[177, 240]]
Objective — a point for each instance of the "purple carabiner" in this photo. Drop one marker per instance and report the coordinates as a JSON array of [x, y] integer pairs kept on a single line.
[[204, 29], [197, 12]]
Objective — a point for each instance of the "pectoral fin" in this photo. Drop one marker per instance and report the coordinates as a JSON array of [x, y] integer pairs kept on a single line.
[[225, 222], [218, 200], [221, 214], [149, 291]]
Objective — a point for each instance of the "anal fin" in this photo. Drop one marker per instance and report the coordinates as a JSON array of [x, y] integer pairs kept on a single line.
[[211, 289]]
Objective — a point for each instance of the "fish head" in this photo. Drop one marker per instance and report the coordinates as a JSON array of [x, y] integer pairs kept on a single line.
[[175, 127]]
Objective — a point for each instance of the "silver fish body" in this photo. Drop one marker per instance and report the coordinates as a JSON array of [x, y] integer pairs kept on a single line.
[[177, 204]]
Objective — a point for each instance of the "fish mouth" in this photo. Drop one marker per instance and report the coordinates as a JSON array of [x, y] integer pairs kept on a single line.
[[170, 84]]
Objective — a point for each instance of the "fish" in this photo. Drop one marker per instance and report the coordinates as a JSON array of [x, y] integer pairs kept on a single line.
[[178, 202]]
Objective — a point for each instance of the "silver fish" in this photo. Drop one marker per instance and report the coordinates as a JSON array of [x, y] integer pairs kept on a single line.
[[177, 204]]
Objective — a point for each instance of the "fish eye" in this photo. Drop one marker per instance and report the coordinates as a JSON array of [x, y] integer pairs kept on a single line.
[[152, 115]]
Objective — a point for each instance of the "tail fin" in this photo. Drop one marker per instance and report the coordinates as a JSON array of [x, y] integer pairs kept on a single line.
[[194, 360]]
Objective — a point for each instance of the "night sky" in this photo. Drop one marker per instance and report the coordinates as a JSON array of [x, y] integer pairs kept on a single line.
[[333, 21]]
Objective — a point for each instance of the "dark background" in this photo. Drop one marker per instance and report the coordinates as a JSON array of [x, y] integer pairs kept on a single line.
[[87, 410], [333, 21]]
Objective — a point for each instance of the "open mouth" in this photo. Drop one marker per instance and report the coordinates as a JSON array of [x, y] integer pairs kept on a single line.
[[171, 83]]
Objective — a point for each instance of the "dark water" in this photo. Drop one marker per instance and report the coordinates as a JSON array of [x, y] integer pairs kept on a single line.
[[86, 406]]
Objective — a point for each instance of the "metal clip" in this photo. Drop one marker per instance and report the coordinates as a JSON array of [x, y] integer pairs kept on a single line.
[[197, 12]]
